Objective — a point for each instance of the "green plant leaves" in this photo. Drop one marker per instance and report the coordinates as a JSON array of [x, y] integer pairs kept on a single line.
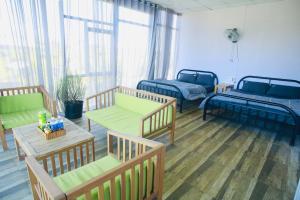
[[70, 88]]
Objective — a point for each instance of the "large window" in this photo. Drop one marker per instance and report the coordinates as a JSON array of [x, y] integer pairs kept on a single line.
[[133, 43], [14, 65], [88, 33], [89, 43], [107, 43]]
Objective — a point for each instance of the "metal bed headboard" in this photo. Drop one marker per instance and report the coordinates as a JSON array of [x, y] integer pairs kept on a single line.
[[193, 71], [270, 79]]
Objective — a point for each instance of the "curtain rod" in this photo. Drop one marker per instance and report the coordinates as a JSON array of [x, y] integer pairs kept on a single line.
[[158, 5], [151, 4]]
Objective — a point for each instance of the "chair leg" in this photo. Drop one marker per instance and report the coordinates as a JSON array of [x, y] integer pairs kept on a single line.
[[293, 137], [181, 106], [172, 134], [3, 140], [18, 150], [89, 124], [172, 131]]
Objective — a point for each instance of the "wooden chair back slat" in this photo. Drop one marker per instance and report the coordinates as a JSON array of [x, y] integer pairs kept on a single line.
[[132, 183], [123, 186], [149, 169], [141, 180], [68, 160], [61, 165], [81, 155], [101, 192], [75, 157], [113, 188], [53, 165]]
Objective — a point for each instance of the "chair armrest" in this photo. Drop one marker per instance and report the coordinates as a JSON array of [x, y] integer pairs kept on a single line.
[[1, 126], [159, 113], [41, 182], [49, 103], [105, 97], [143, 141]]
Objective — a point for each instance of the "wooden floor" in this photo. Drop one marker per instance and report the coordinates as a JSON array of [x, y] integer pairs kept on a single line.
[[213, 159]]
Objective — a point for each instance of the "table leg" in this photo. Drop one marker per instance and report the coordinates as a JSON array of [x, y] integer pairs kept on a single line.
[[20, 157]]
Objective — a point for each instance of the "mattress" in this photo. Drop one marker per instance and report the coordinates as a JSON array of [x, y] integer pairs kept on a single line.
[[189, 91]]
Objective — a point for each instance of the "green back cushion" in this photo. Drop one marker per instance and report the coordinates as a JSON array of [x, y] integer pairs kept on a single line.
[[135, 104], [70, 180], [21, 102]]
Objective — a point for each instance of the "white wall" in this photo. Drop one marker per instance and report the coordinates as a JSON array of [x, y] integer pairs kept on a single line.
[[269, 46]]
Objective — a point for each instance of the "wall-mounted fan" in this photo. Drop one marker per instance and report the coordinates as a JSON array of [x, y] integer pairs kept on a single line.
[[232, 34]]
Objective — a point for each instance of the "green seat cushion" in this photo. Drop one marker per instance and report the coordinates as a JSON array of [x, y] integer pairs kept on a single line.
[[21, 102], [71, 179], [118, 119], [66, 182], [16, 119]]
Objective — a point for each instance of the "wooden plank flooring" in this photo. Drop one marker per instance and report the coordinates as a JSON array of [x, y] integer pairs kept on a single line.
[[213, 159]]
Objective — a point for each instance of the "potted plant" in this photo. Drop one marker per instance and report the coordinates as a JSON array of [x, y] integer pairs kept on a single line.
[[70, 92]]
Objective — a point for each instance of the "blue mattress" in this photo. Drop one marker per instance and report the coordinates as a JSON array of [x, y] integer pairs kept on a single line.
[[189, 91]]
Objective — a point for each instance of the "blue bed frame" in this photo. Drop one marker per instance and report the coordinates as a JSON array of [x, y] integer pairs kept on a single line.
[[245, 109], [175, 92]]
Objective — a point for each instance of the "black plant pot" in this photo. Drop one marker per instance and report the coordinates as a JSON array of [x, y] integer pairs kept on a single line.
[[73, 109]]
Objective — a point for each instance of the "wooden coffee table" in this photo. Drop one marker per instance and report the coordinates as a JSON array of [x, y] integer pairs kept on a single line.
[[34, 144]]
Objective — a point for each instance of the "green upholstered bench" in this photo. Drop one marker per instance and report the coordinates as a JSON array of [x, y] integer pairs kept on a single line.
[[20, 106], [134, 112], [124, 173]]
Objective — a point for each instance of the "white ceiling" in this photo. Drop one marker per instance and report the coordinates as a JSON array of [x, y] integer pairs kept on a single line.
[[203, 5]]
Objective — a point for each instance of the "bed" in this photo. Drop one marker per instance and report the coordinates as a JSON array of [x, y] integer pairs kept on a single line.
[[259, 99], [189, 85]]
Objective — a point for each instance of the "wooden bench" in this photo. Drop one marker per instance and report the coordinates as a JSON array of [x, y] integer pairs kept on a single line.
[[134, 112], [11, 115]]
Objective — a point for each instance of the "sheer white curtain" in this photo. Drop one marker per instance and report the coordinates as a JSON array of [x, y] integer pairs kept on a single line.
[[164, 38], [147, 42], [89, 42], [105, 42], [28, 44], [133, 41], [17, 45], [109, 42]]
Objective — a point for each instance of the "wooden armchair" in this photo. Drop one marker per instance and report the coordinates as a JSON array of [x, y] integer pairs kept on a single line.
[[152, 113], [138, 172], [17, 95]]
